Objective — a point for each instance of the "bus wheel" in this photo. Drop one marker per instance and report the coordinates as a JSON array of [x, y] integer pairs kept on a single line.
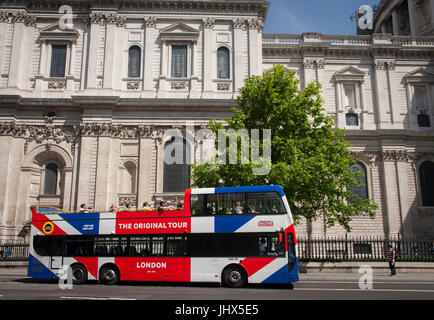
[[79, 274], [110, 275], [234, 277]]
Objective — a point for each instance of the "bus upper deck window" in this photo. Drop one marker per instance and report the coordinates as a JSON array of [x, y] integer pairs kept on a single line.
[[265, 203]]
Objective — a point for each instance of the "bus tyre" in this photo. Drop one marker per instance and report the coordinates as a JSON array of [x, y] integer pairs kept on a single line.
[[234, 277], [110, 275], [79, 274]]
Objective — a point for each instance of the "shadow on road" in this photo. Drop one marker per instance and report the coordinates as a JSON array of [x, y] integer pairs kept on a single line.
[[289, 286]]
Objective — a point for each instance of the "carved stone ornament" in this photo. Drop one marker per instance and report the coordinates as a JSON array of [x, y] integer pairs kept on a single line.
[[208, 23], [178, 85], [128, 200], [132, 85], [56, 85], [5, 16], [391, 65], [380, 65], [223, 86], [239, 23], [96, 18], [256, 24], [151, 22], [398, 155], [28, 20], [314, 63]]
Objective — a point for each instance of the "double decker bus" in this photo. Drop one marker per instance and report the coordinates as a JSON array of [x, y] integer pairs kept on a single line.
[[233, 236]]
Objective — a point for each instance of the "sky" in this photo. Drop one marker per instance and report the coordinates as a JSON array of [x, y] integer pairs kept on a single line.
[[326, 16]]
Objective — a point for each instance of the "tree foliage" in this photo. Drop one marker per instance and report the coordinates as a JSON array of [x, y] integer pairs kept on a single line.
[[310, 158]]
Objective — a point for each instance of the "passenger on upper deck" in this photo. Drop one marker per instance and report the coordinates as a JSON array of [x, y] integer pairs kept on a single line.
[[162, 207], [146, 206], [114, 208], [83, 208]]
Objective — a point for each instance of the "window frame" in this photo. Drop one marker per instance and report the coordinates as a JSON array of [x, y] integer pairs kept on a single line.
[[139, 62], [421, 186], [186, 156], [366, 177], [244, 204], [229, 59], [188, 62], [67, 58], [56, 182], [348, 117], [194, 245]]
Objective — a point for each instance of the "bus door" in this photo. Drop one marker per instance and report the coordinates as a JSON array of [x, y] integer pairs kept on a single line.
[[56, 253]]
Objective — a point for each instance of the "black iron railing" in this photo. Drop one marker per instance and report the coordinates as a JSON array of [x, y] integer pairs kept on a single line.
[[316, 249], [372, 249], [14, 252]]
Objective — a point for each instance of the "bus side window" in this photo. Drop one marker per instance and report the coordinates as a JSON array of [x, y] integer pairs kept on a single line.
[[264, 203], [197, 204]]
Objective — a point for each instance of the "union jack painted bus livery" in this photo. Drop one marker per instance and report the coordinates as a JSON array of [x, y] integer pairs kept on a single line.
[[233, 235]]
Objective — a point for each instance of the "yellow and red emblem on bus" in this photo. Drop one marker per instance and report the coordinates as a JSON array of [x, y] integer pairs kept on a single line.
[[48, 227]]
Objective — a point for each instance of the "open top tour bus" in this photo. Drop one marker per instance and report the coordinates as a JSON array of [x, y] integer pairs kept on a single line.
[[233, 235]]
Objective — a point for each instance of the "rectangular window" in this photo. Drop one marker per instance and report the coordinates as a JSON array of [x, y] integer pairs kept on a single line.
[[264, 203], [225, 203], [257, 203], [423, 121], [192, 245], [352, 119], [197, 205], [79, 247], [179, 61], [176, 246], [223, 245], [58, 61]]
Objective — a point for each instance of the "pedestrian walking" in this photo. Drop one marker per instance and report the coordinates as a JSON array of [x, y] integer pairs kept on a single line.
[[391, 258]]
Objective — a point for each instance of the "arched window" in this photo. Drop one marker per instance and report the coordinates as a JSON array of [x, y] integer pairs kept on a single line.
[[223, 63], [50, 178], [360, 191], [134, 55], [426, 177], [176, 175]]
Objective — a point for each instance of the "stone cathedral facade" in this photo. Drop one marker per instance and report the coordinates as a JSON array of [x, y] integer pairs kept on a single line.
[[84, 105]]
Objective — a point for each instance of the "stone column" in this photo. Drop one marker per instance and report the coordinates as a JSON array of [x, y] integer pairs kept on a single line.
[[5, 163], [85, 169], [403, 192], [102, 173], [148, 84], [390, 185], [110, 44], [238, 26], [380, 95], [394, 105], [395, 22], [144, 172], [255, 25], [67, 188], [92, 65], [412, 16], [208, 65], [12, 179], [21, 54], [4, 22]]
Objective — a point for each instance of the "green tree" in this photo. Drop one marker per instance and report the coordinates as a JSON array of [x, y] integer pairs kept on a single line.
[[310, 158]]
